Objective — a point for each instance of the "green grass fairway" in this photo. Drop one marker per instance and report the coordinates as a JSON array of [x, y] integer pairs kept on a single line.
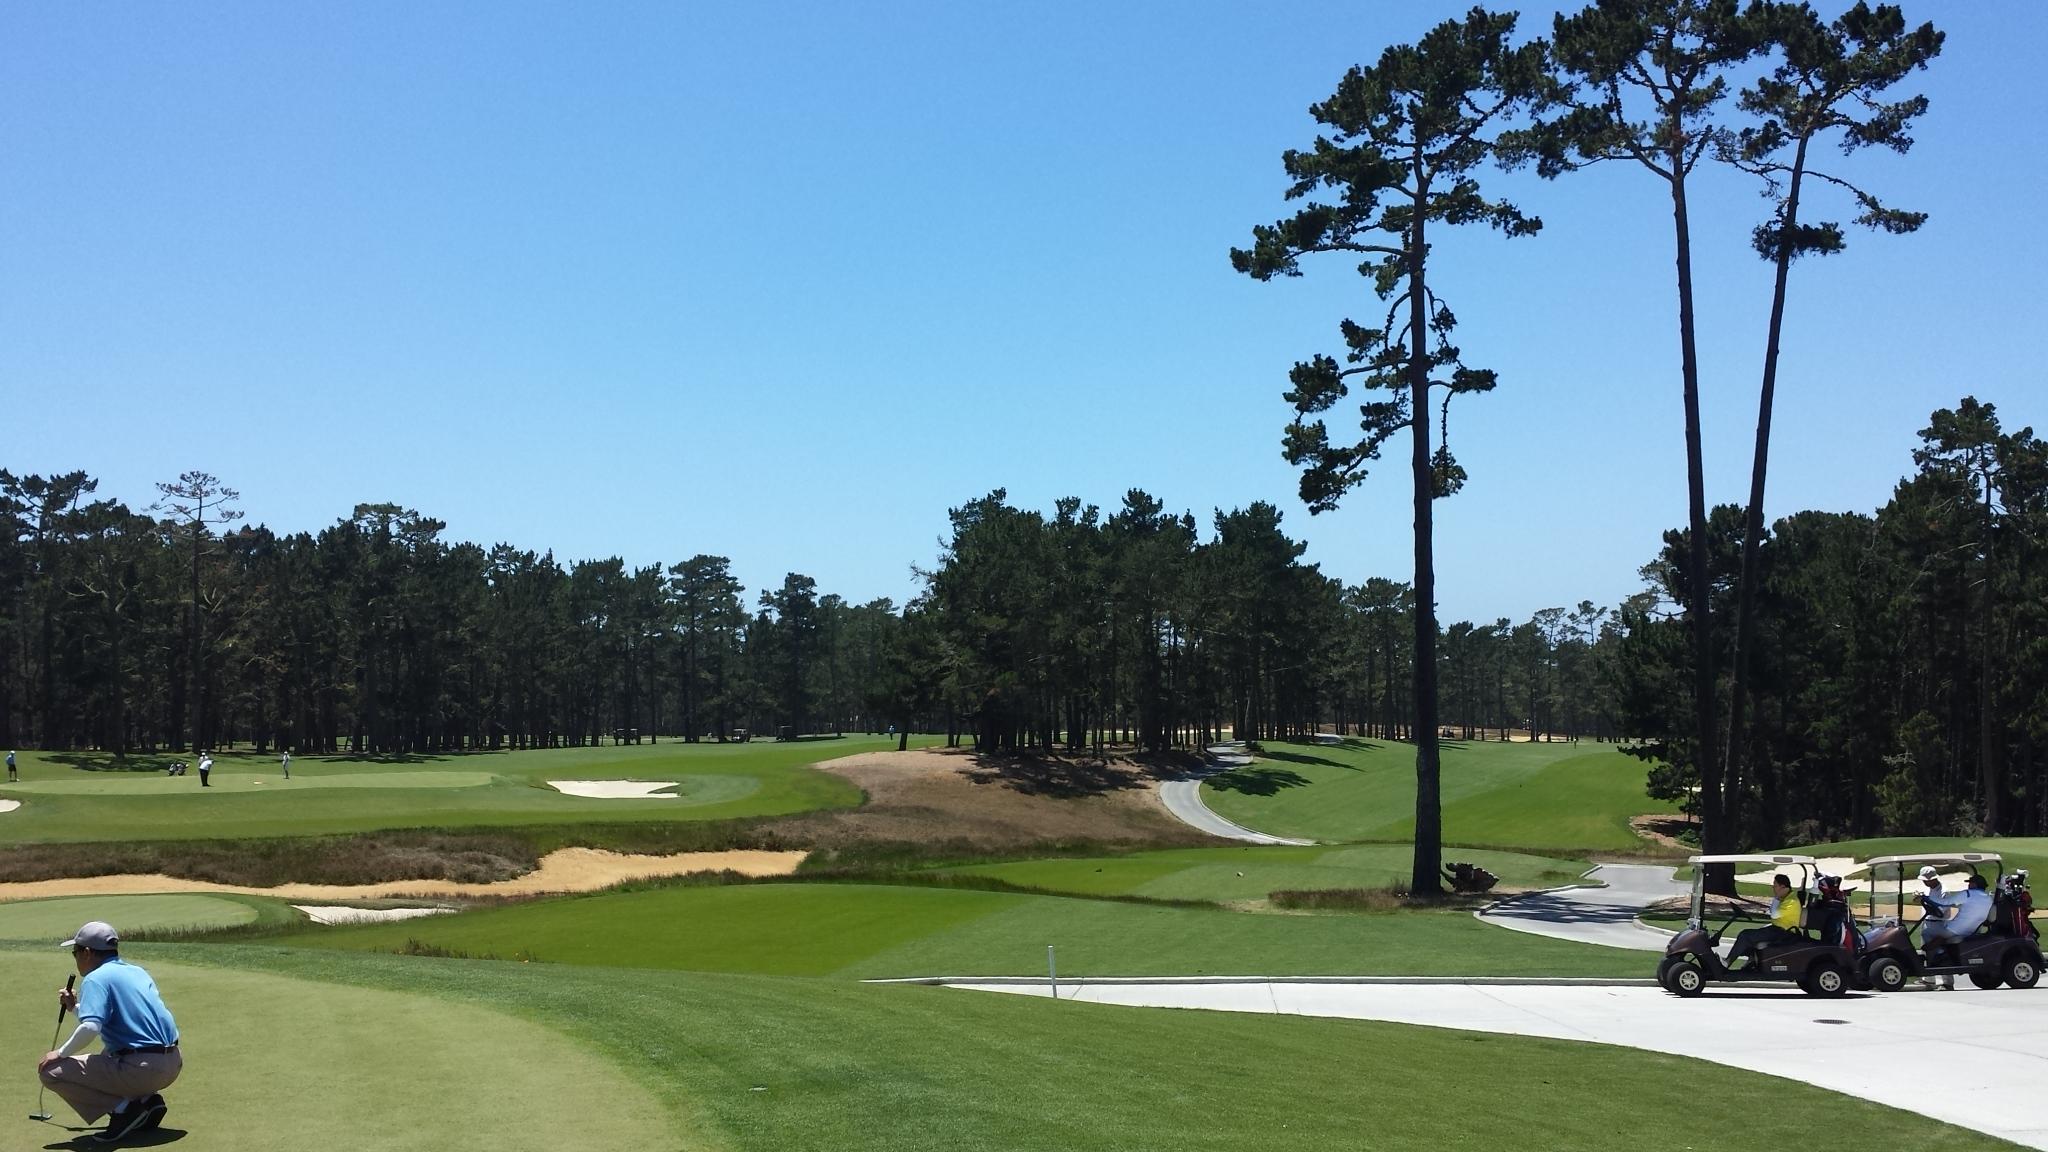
[[55, 920], [273, 1061], [775, 1064], [1226, 875], [73, 797], [876, 931], [1557, 798]]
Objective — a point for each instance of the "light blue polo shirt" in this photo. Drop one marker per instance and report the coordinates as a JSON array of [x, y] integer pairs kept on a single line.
[[123, 1001]]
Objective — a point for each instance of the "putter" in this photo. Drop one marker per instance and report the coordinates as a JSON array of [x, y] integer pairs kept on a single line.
[[42, 1113]]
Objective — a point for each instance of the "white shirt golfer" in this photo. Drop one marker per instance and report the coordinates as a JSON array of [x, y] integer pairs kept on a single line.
[[286, 761]]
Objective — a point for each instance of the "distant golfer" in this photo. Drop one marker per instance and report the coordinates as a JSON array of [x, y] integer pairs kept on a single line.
[[12, 775], [205, 768], [285, 761], [118, 1005]]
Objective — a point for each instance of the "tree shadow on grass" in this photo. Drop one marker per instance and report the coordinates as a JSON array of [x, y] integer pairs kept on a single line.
[[1256, 781], [1066, 777], [108, 762], [1268, 752]]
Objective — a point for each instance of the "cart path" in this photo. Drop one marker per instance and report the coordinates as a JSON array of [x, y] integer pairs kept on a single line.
[[1604, 915], [1855, 1044], [1183, 797]]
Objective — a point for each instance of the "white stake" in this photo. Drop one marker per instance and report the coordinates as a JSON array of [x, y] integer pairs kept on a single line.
[[1052, 973]]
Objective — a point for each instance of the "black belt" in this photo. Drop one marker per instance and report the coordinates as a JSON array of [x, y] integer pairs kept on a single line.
[[147, 1048]]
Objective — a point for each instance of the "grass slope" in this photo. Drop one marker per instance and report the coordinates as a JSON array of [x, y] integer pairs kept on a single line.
[[274, 1061], [1250, 872], [1556, 798], [74, 797], [878, 931], [55, 920], [767, 1064]]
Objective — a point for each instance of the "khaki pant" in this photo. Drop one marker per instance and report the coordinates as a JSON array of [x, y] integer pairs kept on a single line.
[[94, 1084]]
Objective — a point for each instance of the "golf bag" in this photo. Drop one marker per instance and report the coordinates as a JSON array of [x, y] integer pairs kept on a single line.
[[1829, 917], [2013, 908]]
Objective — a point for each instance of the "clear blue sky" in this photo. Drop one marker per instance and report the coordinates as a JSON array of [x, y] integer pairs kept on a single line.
[[785, 282]]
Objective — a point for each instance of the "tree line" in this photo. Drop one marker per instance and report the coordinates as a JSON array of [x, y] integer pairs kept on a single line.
[[1071, 630], [1898, 669]]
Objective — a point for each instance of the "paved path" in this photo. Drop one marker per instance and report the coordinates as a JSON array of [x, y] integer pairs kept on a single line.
[[1183, 797], [1991, 1047], [1604, 915]]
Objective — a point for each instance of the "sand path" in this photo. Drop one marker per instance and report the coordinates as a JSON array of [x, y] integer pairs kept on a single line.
[[563, 870]]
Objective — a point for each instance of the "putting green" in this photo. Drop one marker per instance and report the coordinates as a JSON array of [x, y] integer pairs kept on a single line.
[[274, 1061], [55, 920], [145, 785]]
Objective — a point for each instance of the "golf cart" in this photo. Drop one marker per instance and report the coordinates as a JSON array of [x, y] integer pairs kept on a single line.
[[1821, 960], [2006, 950]]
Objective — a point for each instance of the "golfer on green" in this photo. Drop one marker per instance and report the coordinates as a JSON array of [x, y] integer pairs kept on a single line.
[[118, 1005]]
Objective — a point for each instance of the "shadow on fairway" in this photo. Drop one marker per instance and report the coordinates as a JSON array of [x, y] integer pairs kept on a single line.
[[1268, 752], [1256, 781], [84, 1139], [108, 762]]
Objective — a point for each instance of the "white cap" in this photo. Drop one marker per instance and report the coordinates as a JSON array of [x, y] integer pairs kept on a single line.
[[1927, 872]]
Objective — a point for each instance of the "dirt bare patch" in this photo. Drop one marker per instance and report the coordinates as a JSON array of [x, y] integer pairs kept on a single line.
[[1662, 830], [954, 797]]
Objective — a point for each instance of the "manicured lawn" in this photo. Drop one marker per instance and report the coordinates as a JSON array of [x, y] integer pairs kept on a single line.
[[1555, 798], [275, 1061], [55, 920], [69, 797], [778, 1064], [1250, 872], [878, 931]]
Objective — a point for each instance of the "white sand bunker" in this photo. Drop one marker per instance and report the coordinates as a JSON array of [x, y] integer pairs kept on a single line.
[[617, 789], [9, 805], [327, 914]]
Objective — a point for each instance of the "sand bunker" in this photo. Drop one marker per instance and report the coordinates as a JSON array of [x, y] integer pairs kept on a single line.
[[336, 914], [617, 789], [563, 870], [9, 805]]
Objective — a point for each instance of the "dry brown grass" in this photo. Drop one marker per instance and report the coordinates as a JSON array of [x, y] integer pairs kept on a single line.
[[472, 858], [954, 797]]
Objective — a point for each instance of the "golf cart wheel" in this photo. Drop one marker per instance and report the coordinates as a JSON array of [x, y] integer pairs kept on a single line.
[[2021, 970], [1885, 974], [1986, 980], [1825, 979], [1684, 978]]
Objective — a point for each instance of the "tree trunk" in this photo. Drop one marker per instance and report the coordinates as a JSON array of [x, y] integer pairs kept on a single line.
[[1714, 831], [1426, 876], [1736, 768]]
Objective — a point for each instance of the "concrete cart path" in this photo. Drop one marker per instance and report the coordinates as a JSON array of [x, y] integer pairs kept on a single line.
[[1183, 797], [1992, 1047], [1604, 915]]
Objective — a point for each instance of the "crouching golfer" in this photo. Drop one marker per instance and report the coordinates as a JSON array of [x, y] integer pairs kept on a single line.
[[117, 1004]]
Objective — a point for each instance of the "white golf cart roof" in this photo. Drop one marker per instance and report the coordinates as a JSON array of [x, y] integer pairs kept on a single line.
[[1937, 858], [1752, 860]]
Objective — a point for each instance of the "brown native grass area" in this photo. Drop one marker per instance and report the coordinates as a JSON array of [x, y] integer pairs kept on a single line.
[[953, 798]]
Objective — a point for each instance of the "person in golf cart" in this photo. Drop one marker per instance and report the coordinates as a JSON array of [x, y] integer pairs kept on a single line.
[[1782, 929], [1963, 912]]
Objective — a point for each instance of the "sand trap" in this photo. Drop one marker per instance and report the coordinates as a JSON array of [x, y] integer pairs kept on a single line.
[[335, 914], [563, 870], [1856, 876], [9, 805], [617, 789]]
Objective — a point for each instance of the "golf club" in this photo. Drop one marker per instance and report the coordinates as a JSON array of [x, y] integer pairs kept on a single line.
[[42, 1113]]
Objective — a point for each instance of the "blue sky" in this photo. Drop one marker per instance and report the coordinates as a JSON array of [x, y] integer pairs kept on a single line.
[[785, 282]]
